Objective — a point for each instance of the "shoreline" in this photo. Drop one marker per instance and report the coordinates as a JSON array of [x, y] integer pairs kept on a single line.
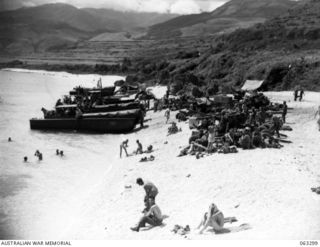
[[75, 69], [26, 70]]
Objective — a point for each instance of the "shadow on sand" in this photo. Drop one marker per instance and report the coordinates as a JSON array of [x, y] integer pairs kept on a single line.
[[242, 227], [149, 227]]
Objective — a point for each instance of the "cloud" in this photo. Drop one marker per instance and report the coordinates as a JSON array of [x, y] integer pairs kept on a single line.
[[162, 6], [185, 7], [214, 5]]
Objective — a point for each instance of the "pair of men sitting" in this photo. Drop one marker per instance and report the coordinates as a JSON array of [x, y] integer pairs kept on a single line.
[[214, 218]]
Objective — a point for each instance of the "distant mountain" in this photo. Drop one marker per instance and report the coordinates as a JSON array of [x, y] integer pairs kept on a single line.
[[228, 17], [126, 21], [46, 27]]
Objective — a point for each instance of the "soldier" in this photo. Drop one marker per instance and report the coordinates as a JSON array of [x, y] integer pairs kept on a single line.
[[167, 115], [139, 149], [124, 146], [153, 216], [295, 94], [301, 94], [214, 218], [284, 111], [276, 125], [151, 191]]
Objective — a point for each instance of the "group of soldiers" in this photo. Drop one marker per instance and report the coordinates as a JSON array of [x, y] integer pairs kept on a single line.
[[244, 126]]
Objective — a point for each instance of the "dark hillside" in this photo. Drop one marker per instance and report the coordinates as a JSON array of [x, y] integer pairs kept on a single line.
[[283, 51], [299, 29]]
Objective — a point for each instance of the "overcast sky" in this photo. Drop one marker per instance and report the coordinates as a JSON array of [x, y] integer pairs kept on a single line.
[[162, 6]]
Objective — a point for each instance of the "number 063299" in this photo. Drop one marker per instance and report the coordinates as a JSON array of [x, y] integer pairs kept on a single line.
[[306, 243]]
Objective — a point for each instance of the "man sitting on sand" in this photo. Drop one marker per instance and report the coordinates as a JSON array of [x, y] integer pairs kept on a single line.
[[153, 216], [214, 218], [173, 129], [245, 140]]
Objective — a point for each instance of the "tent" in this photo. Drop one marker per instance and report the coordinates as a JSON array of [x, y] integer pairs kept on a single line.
[[158, 91], [251, 85]]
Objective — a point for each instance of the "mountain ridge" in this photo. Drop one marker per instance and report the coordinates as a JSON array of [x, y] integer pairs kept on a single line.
[[59, 24], [231, 15]]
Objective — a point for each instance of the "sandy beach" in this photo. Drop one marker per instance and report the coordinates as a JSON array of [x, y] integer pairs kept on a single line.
[[79, 80], [91, 193], [266, 189]]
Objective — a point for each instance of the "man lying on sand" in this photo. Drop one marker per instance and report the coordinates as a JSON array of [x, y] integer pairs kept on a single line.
[[152, 217]]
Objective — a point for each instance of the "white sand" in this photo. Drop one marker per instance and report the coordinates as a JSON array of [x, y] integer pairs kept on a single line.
[[269, 189]]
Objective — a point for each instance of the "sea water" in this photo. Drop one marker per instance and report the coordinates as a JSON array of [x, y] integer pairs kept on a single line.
[[41, 199]]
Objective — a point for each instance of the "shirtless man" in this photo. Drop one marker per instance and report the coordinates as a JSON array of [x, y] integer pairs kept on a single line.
[[124, 146], [153, 216], [151, 191], [214, 218], [139, 149]]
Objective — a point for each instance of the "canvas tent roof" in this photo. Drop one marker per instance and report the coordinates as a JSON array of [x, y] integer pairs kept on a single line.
[[250, 85], [158, 91]]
